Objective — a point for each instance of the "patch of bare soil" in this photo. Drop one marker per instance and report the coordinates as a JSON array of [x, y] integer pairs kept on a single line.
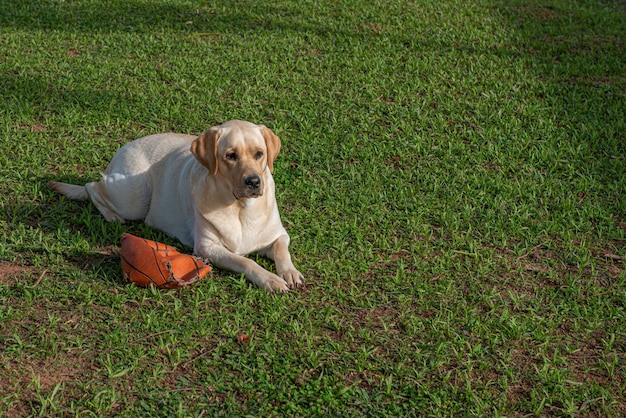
[[11, 272], [27, 377]]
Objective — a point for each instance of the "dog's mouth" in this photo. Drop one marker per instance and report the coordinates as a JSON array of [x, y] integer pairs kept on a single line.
[[245, 193]]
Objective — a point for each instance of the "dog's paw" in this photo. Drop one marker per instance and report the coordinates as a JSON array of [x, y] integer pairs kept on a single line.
[[293, 278], [272, 283]]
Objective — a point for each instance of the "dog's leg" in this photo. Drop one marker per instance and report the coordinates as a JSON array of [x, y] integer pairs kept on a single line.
[[279, 252], [91, 191], [118, 196], [224, 259]]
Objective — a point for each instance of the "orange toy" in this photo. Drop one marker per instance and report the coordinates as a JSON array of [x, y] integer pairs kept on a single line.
[[146, 262]]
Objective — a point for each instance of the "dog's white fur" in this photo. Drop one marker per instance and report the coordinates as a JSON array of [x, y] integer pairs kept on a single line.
[[214, 193]]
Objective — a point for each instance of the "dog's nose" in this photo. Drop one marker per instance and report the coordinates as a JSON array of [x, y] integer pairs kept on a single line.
[[253, 182]]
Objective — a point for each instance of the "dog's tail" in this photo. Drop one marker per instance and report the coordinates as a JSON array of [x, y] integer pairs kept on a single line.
[[70, 190]]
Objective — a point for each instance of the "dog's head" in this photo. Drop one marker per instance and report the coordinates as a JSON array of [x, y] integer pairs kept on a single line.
[[240, 152]]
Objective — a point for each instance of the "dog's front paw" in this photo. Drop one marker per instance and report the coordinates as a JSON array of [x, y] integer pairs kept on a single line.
[[293, 277], [271, 282]]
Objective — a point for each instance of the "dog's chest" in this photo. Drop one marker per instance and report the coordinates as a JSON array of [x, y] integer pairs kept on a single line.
[[245, 229]]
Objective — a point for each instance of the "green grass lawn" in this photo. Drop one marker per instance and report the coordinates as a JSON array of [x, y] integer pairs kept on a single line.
[[453, 177]]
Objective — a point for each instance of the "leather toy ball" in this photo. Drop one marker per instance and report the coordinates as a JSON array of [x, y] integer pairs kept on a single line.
[[146, 263]]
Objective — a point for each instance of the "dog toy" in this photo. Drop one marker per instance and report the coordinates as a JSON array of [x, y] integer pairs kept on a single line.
[[146, 263]]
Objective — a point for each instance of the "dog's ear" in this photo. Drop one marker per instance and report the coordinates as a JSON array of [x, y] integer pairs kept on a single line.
[[204, 148], [272, 143]]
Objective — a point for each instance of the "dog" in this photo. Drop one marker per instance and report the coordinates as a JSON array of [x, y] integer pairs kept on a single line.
[[214, 193]]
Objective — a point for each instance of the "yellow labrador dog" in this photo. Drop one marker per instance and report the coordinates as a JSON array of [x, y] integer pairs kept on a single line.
[[214, 193]]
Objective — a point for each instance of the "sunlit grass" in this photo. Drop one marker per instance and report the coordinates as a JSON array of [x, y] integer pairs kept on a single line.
[[452, 176]]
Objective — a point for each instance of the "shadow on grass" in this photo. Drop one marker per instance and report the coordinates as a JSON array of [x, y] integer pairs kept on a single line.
[[147, 16], [54, 226], [30, 93], [99, 16], [577, 50]]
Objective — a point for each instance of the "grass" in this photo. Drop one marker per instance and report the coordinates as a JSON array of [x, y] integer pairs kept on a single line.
[[452, 176]]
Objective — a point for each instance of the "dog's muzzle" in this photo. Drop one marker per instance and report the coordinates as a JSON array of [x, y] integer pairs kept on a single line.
[[252, 187]]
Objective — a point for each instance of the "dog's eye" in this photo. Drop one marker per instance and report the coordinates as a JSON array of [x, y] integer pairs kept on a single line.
[[258, 155], [231, 156]]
